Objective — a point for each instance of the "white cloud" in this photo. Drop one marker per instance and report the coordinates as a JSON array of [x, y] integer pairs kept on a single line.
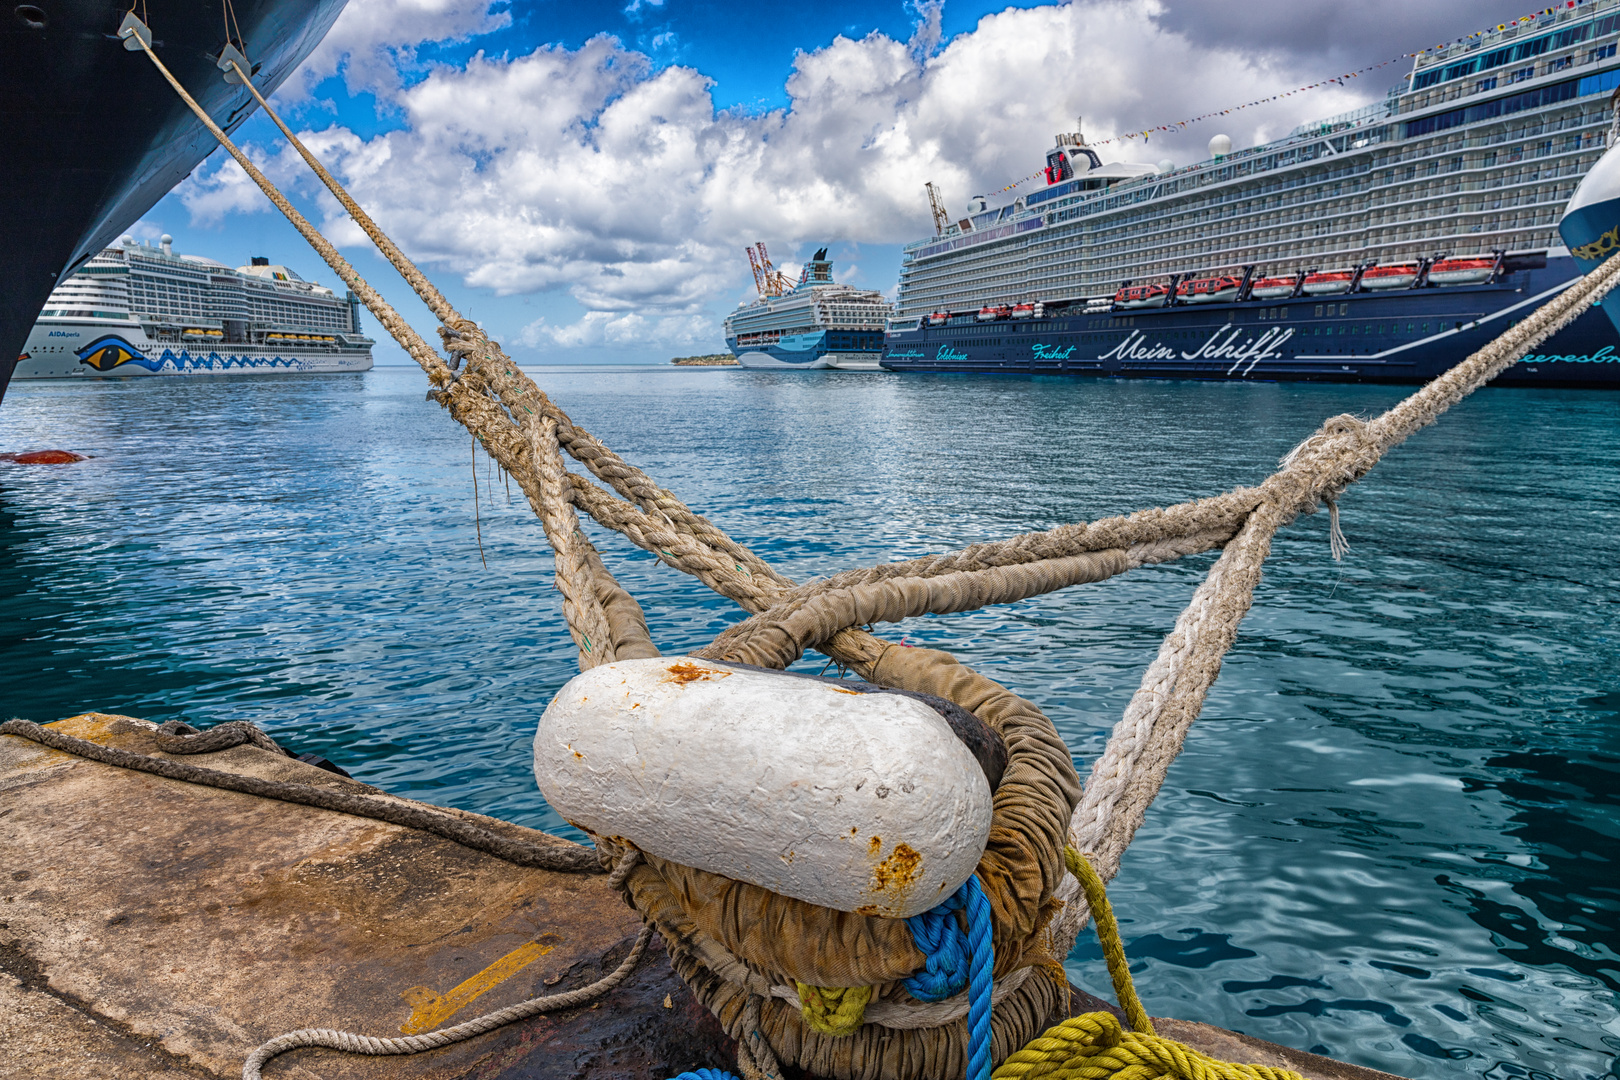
[[595, 172], [219, 186], [604, 328], [373, 41]]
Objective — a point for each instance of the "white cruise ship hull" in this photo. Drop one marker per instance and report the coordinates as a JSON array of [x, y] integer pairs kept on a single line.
[[756, 359], [68, 349]]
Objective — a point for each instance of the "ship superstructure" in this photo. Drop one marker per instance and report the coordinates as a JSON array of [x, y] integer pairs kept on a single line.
[[818, 323], [1425, 216], [138, 309]]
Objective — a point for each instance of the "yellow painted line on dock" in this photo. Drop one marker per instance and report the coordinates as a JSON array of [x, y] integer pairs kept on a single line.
[[429, 1010]]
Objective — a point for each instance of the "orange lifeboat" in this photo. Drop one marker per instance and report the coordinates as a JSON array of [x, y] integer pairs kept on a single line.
[[1140, 296], [1335, 281], [1023, 311], [1389, 277], [1462, 271], [1209, 289], [939, 318], [1272, 288], [990, 313]]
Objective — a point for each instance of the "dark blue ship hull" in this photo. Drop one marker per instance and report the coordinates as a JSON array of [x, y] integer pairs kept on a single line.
[[1399, 336]]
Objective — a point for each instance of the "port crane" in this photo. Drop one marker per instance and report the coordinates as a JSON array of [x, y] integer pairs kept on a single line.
[[767, 279], [941, 218]]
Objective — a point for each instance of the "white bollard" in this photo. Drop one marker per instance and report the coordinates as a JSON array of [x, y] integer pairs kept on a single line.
[[862, 802]]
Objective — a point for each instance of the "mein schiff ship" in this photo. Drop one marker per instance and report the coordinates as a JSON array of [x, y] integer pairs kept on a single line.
[[1384, 245], [814, 324], [141, 310]]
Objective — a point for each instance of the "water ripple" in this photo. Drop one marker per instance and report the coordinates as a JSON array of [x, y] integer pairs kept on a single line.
[[1392, 837]]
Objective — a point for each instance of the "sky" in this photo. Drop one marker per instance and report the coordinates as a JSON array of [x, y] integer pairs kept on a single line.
[[582, 178]]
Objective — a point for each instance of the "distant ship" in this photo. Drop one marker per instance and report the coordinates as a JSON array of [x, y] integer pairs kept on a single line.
[[817, 323], [137, 310], [1384, 245], [94, 136]]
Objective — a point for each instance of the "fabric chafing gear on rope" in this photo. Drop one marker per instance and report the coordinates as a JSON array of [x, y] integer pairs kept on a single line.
[[1093, 1046], [1023, 872]]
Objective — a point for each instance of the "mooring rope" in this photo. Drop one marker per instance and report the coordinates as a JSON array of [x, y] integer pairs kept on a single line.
[[556, 854], [1093, 1046], [527, 434], [351, 1043]]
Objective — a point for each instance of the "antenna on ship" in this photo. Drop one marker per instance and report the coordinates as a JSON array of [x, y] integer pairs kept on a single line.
[[941, 218]]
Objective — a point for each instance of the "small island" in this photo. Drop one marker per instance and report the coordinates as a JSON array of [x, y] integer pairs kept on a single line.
[[711, 360]]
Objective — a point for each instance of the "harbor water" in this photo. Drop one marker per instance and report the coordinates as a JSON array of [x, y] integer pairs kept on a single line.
[[1394, 835]]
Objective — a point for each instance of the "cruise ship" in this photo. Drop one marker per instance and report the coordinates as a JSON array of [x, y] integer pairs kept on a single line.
[[817, 323], [1383, 245], [138, 310], [94, 136]]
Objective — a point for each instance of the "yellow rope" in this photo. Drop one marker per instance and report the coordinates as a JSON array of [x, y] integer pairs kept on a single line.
[[834, 1010], [1093, 1046]]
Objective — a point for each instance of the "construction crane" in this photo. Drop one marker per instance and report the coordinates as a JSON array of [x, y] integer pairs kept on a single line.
[[941, 218], [767, 279]]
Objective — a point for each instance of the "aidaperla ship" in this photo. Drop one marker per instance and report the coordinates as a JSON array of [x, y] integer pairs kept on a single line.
[[1384, 245], [817, 323], [136, 310]]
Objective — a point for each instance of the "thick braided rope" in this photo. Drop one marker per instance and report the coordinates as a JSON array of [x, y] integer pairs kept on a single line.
[[603, 462], [175, 737], [557, 854], [350, 1043], [407, 269], [779, 636], [582, 609], [981, 965], [396, 326]]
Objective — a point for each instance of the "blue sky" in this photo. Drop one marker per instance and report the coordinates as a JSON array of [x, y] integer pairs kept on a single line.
[[581, 177]]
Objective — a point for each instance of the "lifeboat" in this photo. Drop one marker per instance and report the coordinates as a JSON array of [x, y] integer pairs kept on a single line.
[[1462, 271], [1023, 311], [1272, 288], [1389, 277], [1140, 296], [990, 313], [1209, 289], [1335, 281], [939, 318]]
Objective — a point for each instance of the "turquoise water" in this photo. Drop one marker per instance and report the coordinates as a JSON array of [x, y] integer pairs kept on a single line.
[[1394, 836]]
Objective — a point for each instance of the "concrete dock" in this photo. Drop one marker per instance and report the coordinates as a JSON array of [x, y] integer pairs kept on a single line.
[[160, 929]]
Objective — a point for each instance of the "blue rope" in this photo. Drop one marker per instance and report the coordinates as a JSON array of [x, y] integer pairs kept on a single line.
[[939, 937], [980, 981], [954, 960], [705, 1074]]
